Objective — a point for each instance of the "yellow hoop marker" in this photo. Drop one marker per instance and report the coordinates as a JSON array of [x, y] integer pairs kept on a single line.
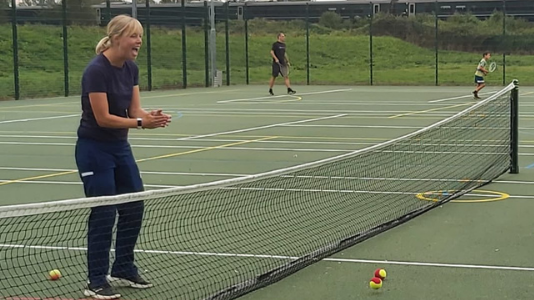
[[500, 196]]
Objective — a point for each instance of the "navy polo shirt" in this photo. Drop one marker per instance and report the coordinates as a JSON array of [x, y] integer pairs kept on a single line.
[[118, 84]]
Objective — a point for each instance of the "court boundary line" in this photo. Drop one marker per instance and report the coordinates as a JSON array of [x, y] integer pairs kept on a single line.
[[416, 112], [163, 186], [432, 264], [459, 97], [202, 174], [284, 257], [144, 95], [138, 160], [143, 172], [259, 127], [186, 94], [280, 96], [51, 182], [138, 136], [242, 175], [38, 119], [267, 149]]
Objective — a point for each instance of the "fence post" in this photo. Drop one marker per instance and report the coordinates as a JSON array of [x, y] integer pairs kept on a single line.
[[108, 7], [371, 43], [149, 45], [227, 40], [184, 48], [436, 40], [505, 45], [15, 48], [65, 48], [246, 41], [307, 43], [206, 44]]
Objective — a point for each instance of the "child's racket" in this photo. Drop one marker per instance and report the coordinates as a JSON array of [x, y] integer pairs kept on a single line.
[[492, 67]]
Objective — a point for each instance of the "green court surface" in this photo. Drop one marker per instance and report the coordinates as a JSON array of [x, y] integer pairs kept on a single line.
[[476, 247]]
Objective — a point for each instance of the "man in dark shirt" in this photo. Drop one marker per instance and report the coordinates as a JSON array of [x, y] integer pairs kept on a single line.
[[280, 63]]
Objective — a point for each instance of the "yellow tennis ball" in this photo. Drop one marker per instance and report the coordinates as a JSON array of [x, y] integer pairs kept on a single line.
[[375, 283], [55, 274], [380, 273]]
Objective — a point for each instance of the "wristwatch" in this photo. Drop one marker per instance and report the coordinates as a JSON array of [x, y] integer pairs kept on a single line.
[[139, 123]]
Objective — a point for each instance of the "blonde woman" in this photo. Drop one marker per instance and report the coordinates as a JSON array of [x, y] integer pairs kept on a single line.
[[110, 107]]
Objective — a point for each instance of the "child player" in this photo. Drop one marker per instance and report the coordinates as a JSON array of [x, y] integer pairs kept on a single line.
[[480, 73]]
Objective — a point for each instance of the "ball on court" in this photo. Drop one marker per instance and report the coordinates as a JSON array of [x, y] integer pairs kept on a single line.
[[375, 283], [55, 274], [380, 273]]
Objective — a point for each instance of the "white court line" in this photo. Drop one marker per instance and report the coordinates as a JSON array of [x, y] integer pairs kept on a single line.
[[259, 127], [242, 175], [430, 264], [513, 181], [459, 97], [257, 98], [290, 111], [80, 183], [142, 172], [285, 111], [280, 141], [278, 96], [280, 149], [193, 147], [285, 149], [206, 140], [36, 119], [292, 190], [284, 257], [354, 126]]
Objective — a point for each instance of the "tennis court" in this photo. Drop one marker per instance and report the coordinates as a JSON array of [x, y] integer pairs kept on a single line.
[[476, 247]]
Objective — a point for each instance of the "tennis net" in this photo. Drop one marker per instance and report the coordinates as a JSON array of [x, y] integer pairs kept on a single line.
[[223, 239]]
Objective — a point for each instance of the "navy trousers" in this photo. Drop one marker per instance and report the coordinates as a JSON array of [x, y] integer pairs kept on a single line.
[[109, 168]]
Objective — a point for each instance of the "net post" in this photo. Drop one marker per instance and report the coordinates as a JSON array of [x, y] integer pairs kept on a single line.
[[514, 134]]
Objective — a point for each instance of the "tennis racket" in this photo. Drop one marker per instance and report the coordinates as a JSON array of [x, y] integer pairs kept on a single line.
[[288, 68], [287, 64], [283, 70], [492, 67]]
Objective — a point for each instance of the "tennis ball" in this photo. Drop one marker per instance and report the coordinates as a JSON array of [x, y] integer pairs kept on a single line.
[[375, 283], [55, 274], [380, 273]]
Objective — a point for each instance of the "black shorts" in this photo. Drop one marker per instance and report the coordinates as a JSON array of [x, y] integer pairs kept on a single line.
[[279, 69]]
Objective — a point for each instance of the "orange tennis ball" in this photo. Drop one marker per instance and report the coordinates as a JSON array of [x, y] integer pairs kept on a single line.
[[375, 283], [380, 273], [55, 274]]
